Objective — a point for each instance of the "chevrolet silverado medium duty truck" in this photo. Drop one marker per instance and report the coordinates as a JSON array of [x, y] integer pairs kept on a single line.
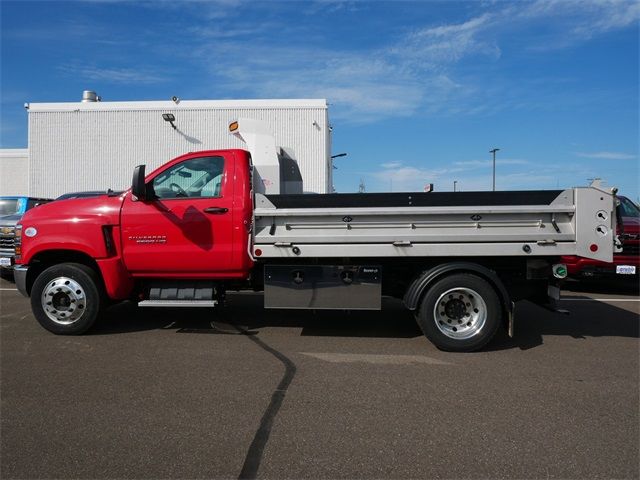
[[222, 220]]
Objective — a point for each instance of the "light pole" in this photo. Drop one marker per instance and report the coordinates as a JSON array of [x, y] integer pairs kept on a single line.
[[494, 167], [454, 185]]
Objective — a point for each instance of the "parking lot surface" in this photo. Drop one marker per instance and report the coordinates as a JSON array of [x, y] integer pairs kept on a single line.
[[245, 392]]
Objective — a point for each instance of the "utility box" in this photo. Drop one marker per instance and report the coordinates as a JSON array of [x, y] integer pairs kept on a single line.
[[94, 145], [323, 287]]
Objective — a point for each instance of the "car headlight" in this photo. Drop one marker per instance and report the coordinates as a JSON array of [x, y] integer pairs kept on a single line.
[[17, 242]]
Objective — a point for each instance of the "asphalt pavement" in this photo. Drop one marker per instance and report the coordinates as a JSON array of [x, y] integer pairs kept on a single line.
[[249, 393]]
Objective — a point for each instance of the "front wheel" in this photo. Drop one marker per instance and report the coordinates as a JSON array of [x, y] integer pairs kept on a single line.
[[67, 299], [460, 313]]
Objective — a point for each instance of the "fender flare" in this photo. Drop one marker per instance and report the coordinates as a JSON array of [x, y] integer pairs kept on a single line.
[[423, 281]]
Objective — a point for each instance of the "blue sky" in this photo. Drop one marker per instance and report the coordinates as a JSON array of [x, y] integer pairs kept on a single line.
[[419, 91]]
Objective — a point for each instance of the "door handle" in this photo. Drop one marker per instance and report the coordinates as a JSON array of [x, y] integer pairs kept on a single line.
[[216, 210]]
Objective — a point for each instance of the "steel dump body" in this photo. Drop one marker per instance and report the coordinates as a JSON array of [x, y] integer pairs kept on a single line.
[[579, 221]]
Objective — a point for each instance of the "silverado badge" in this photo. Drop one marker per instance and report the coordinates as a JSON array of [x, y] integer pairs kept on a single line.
[[148, 238]]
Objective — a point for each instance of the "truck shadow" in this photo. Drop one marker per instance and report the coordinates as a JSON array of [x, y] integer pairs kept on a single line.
[[587, 318], [246, 312], [244, 315]]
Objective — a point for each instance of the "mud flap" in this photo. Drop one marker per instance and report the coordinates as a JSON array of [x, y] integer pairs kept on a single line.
[[511, 319]]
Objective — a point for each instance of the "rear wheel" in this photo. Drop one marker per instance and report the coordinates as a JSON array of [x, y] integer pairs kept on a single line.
[[67, 299], [460, 313]]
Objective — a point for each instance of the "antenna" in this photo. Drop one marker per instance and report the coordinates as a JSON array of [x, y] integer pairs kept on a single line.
[[362, 188]]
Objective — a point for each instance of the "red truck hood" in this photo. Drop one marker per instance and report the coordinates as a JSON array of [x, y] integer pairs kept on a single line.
[[631, 232], [103, 209], [631, 224]]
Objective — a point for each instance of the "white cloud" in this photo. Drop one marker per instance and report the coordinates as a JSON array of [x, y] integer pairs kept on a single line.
[[445, 44], [413, 72], [398, 177], [405, 179], [138, 75], [576, 20], [358, 86], [391, 165], [607, 155], [489, 163], [529, 180]]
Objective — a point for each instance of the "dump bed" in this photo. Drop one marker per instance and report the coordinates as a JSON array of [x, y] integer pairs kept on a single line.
[[577, 221]]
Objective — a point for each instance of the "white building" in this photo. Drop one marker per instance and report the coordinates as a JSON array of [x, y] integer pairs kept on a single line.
[[95, 145], [14, 171]]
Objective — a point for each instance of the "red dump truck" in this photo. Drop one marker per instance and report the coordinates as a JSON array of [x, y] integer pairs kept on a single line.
[[219, 220]]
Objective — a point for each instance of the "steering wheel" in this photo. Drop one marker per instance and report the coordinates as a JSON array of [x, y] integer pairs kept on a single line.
[[178, 190]]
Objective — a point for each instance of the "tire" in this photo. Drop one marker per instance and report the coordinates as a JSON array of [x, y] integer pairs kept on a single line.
[[67, 299], [460, 313]]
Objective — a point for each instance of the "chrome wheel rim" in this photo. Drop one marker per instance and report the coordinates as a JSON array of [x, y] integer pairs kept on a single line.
[[460, 313], [64, 300]]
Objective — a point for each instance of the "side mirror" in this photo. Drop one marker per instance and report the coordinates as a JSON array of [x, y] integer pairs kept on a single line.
[[138, 187]]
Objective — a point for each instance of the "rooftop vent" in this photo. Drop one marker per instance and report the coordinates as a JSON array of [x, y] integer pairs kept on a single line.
[[89, 96]]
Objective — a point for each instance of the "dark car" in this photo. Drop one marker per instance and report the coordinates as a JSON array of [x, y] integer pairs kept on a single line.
[[626, 264], [91, 193], [11, 211]]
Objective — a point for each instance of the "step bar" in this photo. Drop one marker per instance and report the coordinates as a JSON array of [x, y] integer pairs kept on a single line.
[[178, 303]]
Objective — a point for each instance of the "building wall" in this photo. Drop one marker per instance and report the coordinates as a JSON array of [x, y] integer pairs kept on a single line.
[[94, 146], [14, 171]]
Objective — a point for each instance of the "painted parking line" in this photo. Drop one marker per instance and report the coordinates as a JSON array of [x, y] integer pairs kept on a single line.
[[8, 289], [600, 299], [375, 359]]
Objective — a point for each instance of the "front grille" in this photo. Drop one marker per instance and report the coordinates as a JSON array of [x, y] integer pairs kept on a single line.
[[7, 241]]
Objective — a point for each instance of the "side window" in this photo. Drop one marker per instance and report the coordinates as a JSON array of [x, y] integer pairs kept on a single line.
[[197, 177]]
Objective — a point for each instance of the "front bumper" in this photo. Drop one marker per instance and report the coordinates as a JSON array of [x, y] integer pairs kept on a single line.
[[20, 277]]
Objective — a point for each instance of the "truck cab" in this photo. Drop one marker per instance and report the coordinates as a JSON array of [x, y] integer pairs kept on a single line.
[[190, 217]]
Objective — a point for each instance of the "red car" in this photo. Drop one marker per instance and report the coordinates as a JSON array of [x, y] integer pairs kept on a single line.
[[626, 264]]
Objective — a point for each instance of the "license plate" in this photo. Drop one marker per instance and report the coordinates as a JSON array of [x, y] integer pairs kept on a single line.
[[626, 269], [5, 262]]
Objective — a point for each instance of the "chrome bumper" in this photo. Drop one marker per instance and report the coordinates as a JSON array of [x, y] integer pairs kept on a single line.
[[20, 277]]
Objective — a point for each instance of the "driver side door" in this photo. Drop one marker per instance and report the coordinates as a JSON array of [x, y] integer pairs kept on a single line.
[[185, 226]]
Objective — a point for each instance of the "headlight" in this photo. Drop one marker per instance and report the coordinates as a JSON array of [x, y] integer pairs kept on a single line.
[[18, 242]]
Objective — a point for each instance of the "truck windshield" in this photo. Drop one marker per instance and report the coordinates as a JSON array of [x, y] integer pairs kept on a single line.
[[9, 206], [629, 208]]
